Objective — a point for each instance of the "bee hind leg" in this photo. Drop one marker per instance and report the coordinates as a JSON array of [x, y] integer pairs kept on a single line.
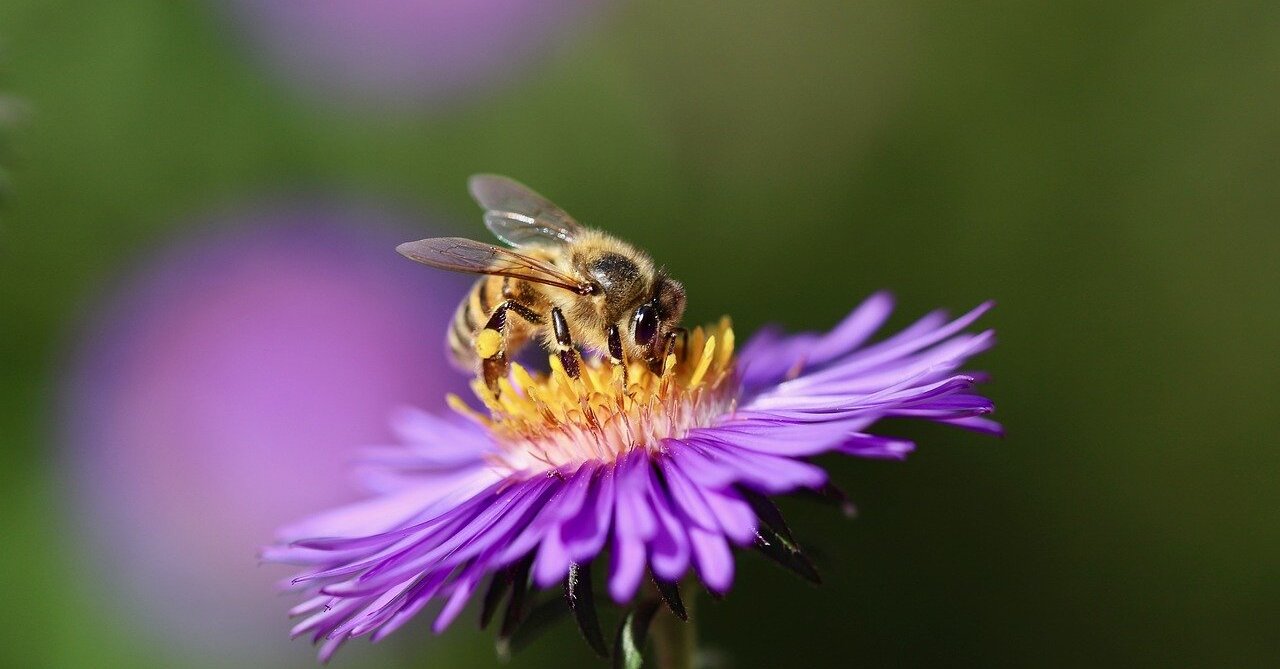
[[491, 342]]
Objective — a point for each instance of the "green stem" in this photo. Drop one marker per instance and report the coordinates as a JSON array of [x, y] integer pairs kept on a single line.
[[675, 640]]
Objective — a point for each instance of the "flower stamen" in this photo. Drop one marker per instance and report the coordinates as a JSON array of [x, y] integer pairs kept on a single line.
[[548, 420]]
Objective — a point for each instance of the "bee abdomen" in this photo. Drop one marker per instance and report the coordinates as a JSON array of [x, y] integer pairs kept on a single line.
[[459, 341], [467, 320]]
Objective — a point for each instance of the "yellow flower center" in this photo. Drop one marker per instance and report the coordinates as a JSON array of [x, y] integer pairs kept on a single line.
[[549, 421]]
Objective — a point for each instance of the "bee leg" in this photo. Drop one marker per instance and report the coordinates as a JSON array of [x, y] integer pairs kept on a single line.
[[659, 362], [564, 344], [615, 353], [669, 346], [684, 342], [491, 342]]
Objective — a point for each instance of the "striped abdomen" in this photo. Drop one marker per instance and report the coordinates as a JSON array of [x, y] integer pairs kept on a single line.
[[473, 312]]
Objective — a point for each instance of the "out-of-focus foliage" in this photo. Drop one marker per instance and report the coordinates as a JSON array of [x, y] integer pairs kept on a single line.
[[1107, 171], [11, 112]]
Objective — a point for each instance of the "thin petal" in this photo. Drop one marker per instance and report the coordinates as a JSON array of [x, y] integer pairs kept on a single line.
[[977, 424], [461, 593], [631, 490], [627, 567], [715, 562], [585, 533], [734, 515], [564, 504], [769, 356], [669, 548], [437, 439], [378, 514], [872, 446], [787, 439], [721, 464], [552, 562], [686, 496]]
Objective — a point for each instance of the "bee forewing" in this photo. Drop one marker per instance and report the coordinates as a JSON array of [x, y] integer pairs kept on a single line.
[[458, 254], [519, 216], [451, 253]]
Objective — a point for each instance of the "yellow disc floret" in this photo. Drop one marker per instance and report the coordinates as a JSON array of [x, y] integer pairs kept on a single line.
[[548, 420]]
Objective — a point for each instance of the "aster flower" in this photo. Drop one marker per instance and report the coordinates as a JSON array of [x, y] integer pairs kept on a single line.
[[665, 478]]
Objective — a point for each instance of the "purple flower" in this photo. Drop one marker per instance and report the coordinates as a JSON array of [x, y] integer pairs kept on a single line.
[[218, 393], [405, 52], [665, 478]]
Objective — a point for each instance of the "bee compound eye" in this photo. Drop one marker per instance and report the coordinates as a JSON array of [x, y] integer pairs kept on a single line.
[[645, 326]]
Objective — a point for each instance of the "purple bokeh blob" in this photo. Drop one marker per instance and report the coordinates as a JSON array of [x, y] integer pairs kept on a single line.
[[223, 389], [399, 53]]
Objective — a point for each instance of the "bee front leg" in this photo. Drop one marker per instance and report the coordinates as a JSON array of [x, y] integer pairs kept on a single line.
[[657, 364], [564, 344], [491, 342], [683, 335], [615, 354]]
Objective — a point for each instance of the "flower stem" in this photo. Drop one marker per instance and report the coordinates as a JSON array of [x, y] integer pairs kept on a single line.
[[675, 640]]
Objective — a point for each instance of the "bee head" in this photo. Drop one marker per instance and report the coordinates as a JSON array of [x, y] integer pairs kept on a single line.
[[662, 312]]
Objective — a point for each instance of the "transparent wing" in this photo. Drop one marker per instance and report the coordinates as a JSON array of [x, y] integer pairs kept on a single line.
[[464, 255], [519, 216]]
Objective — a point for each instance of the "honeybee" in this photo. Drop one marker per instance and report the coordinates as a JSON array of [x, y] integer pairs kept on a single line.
[[564, 284]]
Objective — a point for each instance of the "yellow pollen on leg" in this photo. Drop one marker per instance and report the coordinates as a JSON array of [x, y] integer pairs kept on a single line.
[[546, 420], [488, 342]]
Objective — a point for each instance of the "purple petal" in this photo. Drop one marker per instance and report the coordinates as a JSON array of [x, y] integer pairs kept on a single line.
[[564, 504], [634, 524], [379, 514], [863, 376], [484, 531], [585, 533], [627, 568], [631, 490], [715, 562], [914, 338], [769, 357], [337, 609], [388, 471], [329, 648], [552, 563], [735, 516], [825, 409], [669, 548], [445, 441], [855, 329], [787, 439], [375, 610], [721, 464], [686, 496], [416, 603], [872, 446], [977, 424], [461, 593]]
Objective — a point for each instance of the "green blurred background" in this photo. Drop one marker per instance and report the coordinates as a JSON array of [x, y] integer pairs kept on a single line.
[[1109, 172]]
